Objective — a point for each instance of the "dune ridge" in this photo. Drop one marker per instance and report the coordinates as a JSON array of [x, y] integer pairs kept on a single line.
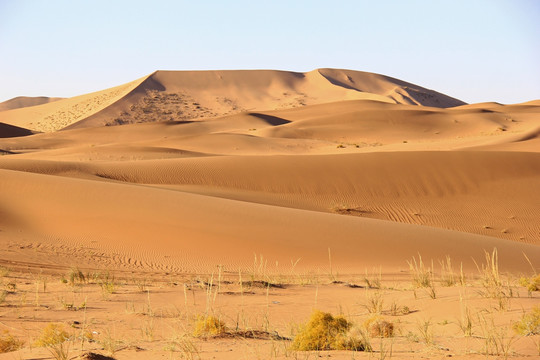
[[188, 95], [26, 101]]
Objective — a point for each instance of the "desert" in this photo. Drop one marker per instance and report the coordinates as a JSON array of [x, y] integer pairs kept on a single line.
[[212, 214]]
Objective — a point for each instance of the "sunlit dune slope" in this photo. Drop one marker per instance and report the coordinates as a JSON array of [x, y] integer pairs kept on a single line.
[[56, 115]]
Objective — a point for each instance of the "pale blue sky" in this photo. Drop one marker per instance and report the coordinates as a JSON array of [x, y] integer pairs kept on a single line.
[[474, 50]]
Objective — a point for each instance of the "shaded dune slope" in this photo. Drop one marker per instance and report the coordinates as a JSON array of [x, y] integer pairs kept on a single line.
[[8, 131]]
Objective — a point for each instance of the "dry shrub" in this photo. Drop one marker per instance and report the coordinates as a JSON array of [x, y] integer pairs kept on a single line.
[[326, 332], [209, 326], [529, 323], [8, 343], [55, 339], [379, 327], [532, 284]]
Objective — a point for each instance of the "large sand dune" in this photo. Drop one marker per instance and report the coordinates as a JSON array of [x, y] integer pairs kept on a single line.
[[187, 95], [303, 162], [276, 163]]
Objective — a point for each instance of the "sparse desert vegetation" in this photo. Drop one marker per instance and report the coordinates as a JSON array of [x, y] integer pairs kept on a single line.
[[273, 315]]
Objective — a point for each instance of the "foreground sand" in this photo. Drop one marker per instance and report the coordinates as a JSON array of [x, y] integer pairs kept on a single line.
[[141, 315], [286, 178]]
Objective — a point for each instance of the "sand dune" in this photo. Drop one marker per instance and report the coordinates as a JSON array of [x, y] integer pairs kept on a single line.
[[188, 95], [256, 195], [56, 115], [453, 190], [167, 230], [26, 101], [219, 165]]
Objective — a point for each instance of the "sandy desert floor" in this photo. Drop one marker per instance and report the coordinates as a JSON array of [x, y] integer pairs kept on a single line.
[[258, 197]]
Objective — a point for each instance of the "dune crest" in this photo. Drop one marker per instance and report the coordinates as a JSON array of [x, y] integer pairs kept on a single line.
[[26, 101], [191, 95]]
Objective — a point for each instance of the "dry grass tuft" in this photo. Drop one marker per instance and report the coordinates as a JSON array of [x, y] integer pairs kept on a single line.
[[76, 276], [206, 326], [421, 274], [55, 339], [374, 303], [326, 332], [9, 343], [379, 327]]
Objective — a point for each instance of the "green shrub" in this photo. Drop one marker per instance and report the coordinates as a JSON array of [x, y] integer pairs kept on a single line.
[[326, 332]]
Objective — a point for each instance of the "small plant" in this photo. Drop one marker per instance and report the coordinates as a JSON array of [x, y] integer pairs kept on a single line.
[[490, 275], [185, 346], [496, 341], [465, 323], [421, 275], [55, 339], [76, 276], [431, 290], [11, 287], [326, 332], [209, 326], [492, 283], [529, 323], [373, 281], [9, 343], [107, 283], [148, 329], [424, 328], [396, 310], [374, 304], [448, 277]]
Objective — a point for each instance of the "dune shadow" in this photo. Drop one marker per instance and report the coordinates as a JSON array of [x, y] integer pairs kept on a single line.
[[270, 120], [9, 131]]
